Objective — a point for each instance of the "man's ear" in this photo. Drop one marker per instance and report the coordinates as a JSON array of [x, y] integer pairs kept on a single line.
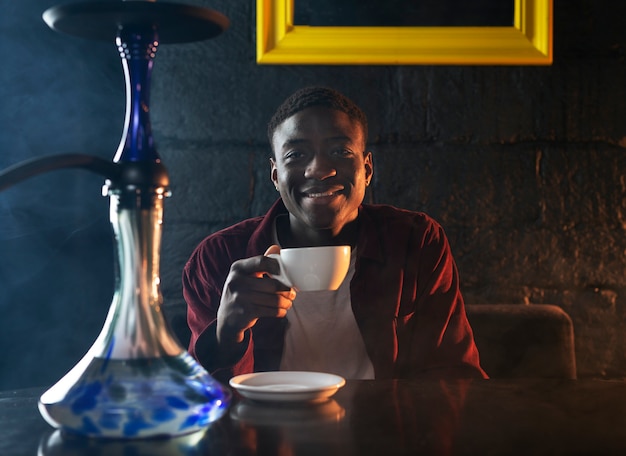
[[369, 167], [273, 173]]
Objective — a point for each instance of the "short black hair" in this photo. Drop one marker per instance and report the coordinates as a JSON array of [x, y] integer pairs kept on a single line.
[[316, 96]]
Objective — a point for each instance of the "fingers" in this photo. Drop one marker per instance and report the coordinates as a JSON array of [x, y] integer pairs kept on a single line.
[[255, 267], [252, 304], [240, 308], [263, 291], [272, 249], [262, 283], [250, 293]]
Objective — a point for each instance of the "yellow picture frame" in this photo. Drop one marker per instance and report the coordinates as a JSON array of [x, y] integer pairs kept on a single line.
[[527, 42]]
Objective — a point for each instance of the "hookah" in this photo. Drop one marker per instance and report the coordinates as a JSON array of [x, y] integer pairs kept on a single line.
[[136, 380]]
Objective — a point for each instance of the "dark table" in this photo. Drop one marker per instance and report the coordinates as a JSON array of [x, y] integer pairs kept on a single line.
[[478, 417]]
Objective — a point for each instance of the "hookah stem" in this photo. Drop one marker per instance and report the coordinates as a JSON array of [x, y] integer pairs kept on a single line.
[[33, 167]]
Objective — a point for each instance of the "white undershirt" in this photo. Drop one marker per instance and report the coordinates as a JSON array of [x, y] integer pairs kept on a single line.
[[322, 334]]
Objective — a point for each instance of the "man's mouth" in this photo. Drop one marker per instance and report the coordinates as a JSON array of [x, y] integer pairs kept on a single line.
[[319, 194]]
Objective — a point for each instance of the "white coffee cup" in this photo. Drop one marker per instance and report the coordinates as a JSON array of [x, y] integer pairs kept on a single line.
[[314, 268]]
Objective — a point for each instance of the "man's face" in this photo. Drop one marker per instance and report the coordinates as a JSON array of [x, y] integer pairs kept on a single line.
[[320, 169]]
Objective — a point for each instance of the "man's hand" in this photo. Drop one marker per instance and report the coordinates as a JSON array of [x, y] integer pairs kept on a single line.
[[249, 293]]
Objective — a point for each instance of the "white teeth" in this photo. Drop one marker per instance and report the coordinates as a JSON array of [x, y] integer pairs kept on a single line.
[[318, 195]]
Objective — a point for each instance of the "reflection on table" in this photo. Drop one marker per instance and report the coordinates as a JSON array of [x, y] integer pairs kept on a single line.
[[373, 417]]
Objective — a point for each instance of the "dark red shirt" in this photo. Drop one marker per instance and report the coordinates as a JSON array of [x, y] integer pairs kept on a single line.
[[405, 297]]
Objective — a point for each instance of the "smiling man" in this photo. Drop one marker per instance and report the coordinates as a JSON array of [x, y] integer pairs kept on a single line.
[[321, 169], [399, 312]]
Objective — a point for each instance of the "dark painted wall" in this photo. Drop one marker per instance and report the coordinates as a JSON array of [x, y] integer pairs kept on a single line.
[[523, 166]]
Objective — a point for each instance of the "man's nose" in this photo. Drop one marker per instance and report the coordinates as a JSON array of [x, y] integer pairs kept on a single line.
[[320, 167]]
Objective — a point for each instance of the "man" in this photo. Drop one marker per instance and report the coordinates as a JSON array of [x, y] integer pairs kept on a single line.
[[399, 312]]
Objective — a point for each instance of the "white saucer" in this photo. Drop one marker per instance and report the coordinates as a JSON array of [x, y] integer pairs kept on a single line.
[[287, 386]]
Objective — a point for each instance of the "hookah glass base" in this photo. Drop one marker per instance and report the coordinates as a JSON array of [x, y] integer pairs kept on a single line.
[[136, 381], [156, 397]]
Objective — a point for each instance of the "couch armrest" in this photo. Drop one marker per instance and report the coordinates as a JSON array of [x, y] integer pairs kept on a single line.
[[535, 340]]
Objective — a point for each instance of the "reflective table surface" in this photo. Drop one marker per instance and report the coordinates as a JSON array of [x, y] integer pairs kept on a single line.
[[373, 417]]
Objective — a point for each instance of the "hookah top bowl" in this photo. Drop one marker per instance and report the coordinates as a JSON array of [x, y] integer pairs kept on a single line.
[[102, 20]]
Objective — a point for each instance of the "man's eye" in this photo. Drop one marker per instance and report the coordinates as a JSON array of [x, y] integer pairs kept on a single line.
[[293, 154], [341, 152]]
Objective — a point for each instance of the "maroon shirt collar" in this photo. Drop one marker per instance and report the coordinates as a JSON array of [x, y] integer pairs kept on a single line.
[[368, 245]]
